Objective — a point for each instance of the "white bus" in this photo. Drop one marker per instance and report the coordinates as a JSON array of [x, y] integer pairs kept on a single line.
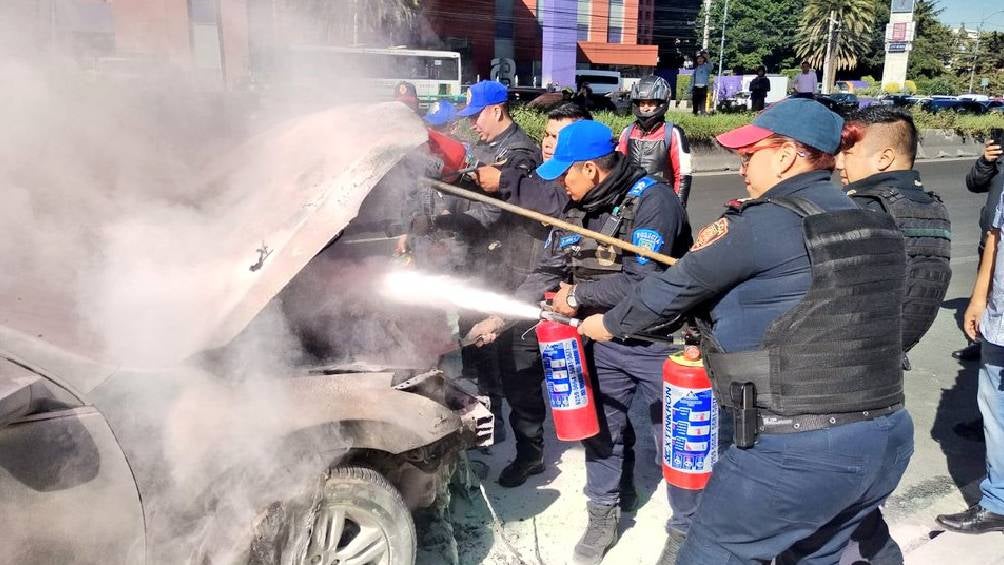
[[435, 74]]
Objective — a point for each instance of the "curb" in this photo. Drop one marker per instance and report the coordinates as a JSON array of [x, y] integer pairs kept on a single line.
[[933, 144]]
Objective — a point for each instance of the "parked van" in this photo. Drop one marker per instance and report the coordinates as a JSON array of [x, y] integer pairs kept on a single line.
[[601, 82]]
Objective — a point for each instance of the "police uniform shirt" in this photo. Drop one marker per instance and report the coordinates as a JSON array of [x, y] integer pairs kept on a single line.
[[750, 265], [660, 224]]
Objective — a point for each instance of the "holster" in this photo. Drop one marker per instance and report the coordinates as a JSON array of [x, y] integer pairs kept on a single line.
[[745, 414]]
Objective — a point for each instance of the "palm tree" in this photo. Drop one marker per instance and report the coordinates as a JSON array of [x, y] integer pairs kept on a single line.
[[847, 24]]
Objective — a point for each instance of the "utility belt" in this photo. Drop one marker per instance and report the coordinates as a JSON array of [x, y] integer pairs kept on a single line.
[[751, 421]]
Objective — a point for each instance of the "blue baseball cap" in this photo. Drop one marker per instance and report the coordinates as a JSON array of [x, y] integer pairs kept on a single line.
[[484, 93], [579, 141], [442, 112], [801, 119]]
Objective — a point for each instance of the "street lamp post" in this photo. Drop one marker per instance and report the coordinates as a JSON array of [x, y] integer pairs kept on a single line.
[[976, 48], [721, 57]]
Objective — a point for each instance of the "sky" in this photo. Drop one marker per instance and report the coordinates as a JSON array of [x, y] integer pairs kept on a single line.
[[971, 12]]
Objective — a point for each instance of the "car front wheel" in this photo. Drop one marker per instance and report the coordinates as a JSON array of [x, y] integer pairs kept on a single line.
[[361, 520]]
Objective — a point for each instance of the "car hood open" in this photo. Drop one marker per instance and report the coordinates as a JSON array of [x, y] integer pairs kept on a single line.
[[184, 274]]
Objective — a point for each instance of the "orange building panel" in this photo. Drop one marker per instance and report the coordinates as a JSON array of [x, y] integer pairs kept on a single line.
[[619, 53]]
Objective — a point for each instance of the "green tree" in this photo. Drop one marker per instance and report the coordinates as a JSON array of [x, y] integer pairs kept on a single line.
[[756, 32], [871, 60], [934, 43], [855, 21]]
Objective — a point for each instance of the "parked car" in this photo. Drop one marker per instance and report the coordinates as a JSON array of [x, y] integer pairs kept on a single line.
[[191, 461], [839, 102], [601, 82], [937, 105]]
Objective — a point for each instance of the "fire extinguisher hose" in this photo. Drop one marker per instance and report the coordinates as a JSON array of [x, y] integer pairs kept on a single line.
[[548, 220]]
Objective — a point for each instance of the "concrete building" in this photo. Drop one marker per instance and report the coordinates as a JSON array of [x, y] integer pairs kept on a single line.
[[608, 34]]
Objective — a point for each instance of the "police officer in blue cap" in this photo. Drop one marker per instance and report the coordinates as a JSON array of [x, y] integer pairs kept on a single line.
[[802, 294], [504, 249], [441, 116], [605, 192]]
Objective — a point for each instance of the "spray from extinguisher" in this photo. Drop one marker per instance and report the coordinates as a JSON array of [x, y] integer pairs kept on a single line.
[[690, 419], [569, 388]]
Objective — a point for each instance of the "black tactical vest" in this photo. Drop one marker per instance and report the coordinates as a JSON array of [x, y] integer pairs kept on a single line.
[[652, 155], [928, 232], [589, 258], [515, 243], [839, 349]]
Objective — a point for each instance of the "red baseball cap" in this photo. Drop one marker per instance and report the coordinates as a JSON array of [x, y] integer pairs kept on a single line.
[[801, 119]]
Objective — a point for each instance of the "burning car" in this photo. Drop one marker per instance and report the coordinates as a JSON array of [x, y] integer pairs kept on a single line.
[[167, 414]]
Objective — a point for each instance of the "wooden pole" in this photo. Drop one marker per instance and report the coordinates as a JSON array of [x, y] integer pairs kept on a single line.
[[549, 221]]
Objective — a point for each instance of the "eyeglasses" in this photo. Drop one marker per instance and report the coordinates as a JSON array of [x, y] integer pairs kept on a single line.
[[747, 154]]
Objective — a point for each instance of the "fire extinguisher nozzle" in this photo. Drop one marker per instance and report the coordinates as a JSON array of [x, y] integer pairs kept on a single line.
[[555, 317]]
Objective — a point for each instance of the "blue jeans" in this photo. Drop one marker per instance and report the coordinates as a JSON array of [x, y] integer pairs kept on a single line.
[[621, 371], [990, 397], [798, 497]]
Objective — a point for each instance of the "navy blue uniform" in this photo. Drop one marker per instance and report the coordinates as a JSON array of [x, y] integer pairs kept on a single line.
[[621, 367], [749, 268]]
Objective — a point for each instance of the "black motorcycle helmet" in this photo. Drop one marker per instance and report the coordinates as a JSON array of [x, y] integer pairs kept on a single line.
[[650, 88]]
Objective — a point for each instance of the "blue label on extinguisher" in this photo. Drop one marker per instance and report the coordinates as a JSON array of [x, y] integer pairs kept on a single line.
[[690, 429], [564, 374]]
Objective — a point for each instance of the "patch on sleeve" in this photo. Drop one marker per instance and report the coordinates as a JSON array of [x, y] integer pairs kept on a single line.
[[649, 239], [711, 233], [568, 240], [641, 186]]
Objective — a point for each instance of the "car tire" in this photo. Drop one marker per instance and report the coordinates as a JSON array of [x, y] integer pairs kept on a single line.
[[358, 518]]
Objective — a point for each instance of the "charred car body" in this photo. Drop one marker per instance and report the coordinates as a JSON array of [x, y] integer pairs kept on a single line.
[[228, 455]]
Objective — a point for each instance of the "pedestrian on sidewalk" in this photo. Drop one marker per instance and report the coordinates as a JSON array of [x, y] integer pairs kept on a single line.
[[983, 178], [875, 164], [759, 87], [805, 83], [699, 86], [984, 321], [657, 146], [786, 283]]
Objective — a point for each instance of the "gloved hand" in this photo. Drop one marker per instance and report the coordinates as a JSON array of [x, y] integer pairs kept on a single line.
[[486, 331]]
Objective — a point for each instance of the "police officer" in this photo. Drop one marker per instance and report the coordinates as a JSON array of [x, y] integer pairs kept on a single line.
[[522, 384], [607, 193], [652, 143], [802, 292], [876, 168], [504, 249]]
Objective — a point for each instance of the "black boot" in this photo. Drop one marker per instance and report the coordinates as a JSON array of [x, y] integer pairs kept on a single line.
[[976, 520], [601, 534], [970, 352], [669, 551], [516, 473]]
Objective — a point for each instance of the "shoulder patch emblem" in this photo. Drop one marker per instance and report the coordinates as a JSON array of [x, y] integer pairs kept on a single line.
[[641, 186], [711, 233]]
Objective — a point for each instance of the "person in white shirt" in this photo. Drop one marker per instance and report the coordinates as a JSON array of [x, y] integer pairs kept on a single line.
[[804, 84]]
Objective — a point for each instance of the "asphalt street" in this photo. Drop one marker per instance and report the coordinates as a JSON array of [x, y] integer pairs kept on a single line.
[[543, 519]]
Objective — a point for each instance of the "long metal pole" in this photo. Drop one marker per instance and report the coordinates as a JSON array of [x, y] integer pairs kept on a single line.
[[707, 24], [828, 61], [548, 220], [721, 57], [976, 49]]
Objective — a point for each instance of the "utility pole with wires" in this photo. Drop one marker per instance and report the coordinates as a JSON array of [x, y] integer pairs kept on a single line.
[[707, 25], [829, 67], [721, 58]]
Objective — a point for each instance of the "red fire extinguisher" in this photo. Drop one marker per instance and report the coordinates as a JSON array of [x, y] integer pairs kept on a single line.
[[569, 389], [689, 421]]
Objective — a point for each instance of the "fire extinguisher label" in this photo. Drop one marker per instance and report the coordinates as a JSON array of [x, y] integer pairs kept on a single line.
[[690, 434], [566, 383]]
